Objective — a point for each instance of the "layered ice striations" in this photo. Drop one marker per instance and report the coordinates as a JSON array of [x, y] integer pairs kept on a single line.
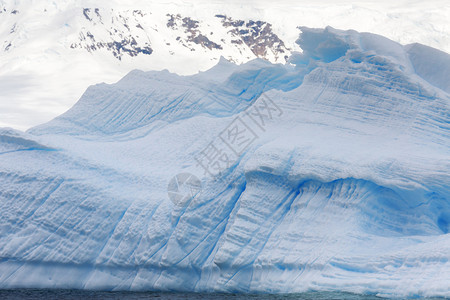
[[346, 189], [141, 99]]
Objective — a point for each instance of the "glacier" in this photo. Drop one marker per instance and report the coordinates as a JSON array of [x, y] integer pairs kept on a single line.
[[345, 188], [103, 40]]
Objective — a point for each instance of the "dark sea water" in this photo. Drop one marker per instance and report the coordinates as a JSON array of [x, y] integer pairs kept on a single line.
[[39, 294]]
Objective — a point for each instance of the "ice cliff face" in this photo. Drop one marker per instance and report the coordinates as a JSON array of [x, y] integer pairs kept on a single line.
[[330, 173]]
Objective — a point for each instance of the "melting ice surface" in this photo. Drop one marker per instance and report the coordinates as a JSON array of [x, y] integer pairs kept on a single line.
[[345, 188]]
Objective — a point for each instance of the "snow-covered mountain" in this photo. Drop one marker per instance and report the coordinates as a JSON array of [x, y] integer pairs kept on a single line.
[[50, 51], [329, 173]]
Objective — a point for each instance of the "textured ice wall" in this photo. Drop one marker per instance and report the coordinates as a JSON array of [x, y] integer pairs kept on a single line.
[[345, 188]]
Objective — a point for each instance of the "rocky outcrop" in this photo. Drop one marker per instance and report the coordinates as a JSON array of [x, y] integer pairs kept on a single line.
[[257, 35], [191, 28]]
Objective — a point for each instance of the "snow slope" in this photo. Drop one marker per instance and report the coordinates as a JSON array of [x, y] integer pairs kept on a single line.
[[343, 182], [50, 51]]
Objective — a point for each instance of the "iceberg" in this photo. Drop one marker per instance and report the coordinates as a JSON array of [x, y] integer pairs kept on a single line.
[[328, 173]]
